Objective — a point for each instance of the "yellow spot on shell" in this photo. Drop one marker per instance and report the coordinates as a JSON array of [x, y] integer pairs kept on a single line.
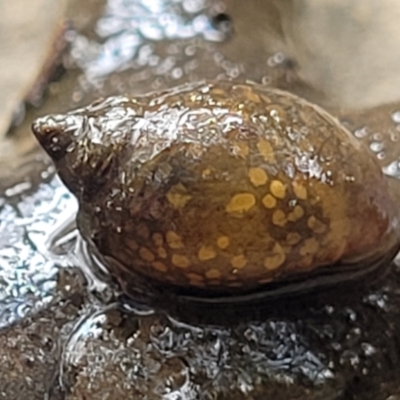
[[296, 214], [159, 266], [194, 278], [292, 238], [310, 247], [239, 261], [258, 176], [241, 202], [206, 253], [338, 233], [180, 261], [213, 273], [162, 253], [158, 239], [178, 196], [316, 225], [279, 218], [223, 242], [130, 243], [174, 240], [143, 231], [266, 151], [146, 254], [269, 201], [206, 173], [278, 189], [299, 190], [276, 259]]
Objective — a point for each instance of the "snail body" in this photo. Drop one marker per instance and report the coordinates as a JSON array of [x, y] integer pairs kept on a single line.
[[220, 188]]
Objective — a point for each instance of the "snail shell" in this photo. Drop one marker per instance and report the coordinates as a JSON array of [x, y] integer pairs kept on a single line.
[[222, 188]]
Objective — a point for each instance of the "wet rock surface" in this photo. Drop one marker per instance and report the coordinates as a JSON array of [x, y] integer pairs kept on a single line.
[[32, 345], [67, 334]]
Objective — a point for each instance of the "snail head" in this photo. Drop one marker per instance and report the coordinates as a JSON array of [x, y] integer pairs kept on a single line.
[[87, 147]]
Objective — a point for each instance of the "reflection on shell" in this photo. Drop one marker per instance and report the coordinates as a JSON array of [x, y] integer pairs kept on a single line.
[[222, 187]]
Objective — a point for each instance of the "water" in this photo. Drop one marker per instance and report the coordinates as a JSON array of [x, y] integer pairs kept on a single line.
[[68, 334]]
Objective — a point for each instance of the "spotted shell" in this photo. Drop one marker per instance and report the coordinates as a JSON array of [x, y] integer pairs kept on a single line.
[[222, 188]]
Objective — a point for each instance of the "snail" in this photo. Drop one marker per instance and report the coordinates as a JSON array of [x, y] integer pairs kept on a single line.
[[223, 189]]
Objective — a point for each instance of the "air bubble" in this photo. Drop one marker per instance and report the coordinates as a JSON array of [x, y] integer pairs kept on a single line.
[[222, 22], [191, 66], [153, 61], [361, 133], [368, 349], [276, 59], [396, 117], [393, 169], [151, 31], [266, 80], [377, 136], [18, 189], [190, 51], [177, 73], [394, 136], [193, 6], [376, 146]]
